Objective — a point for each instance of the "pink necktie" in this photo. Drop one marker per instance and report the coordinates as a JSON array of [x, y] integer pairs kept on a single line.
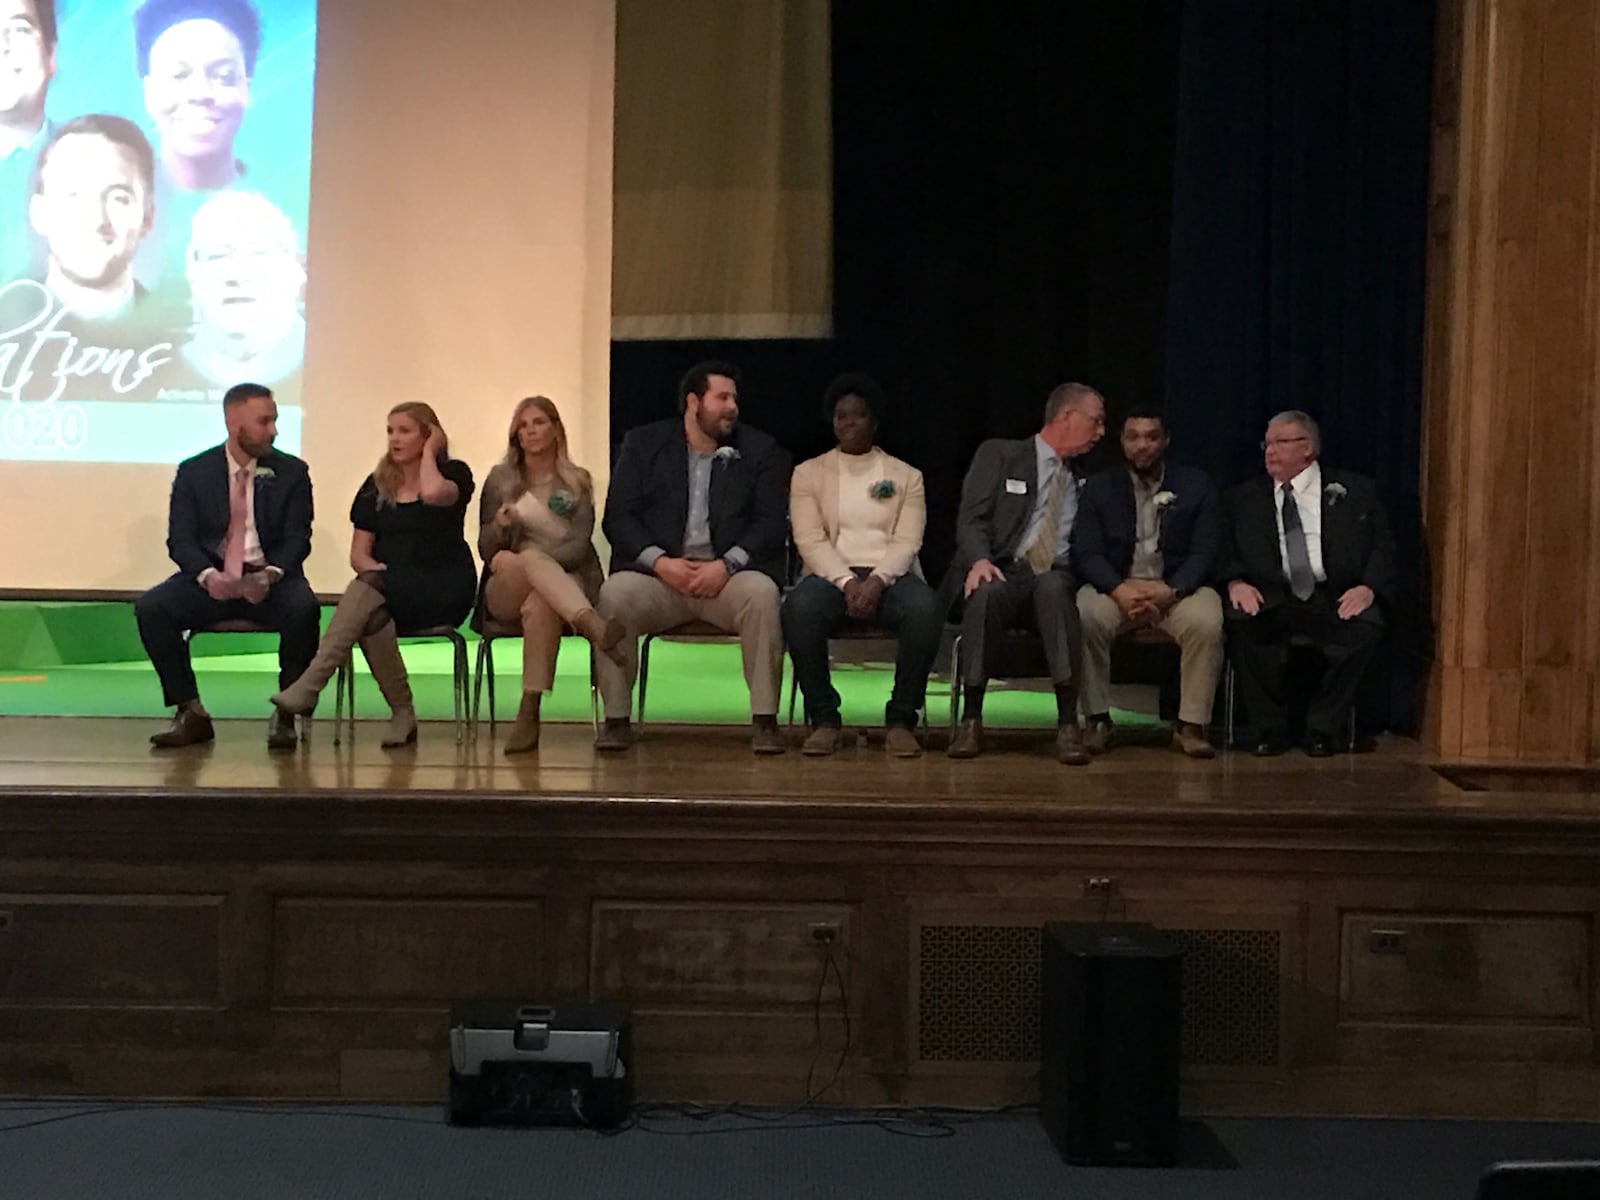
[[238, 514]]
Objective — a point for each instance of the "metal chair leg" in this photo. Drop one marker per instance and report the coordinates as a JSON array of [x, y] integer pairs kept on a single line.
[[644, 674], [955, 684]]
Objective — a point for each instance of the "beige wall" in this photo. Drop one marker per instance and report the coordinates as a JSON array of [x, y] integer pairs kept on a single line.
[[459, 253]]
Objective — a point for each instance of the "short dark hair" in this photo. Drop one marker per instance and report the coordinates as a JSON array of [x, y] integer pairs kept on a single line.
[[238, 17], [119, 130], [243, 393], [854, 383], [1147, 412], [698, 377], [45, 10]]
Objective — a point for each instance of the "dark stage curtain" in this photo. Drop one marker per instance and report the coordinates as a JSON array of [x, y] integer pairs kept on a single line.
[[1298, 234]]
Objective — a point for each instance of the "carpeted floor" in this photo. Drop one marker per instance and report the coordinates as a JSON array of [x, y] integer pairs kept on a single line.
[[79, 1152]]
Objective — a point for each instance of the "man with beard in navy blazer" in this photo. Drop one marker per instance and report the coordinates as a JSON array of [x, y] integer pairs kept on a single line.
[[697, 515], [1307, 551], [239, 529], [1144, 548]]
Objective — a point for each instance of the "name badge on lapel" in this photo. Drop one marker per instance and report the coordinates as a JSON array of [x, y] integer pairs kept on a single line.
[[1016, 487]]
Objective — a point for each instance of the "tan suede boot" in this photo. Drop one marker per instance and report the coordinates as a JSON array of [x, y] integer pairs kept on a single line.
[[350, 619], [382, 650], [606, 636], [524, 735]]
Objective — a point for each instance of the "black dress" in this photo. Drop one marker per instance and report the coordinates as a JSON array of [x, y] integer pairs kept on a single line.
[[429, 577]]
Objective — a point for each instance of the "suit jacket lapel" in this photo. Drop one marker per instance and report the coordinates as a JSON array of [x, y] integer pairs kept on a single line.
[[675, 461], [832, 480]]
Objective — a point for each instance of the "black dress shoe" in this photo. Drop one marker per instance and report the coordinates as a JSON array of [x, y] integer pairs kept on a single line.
[[1319, 745], [280, 731], [190, 727], [1270, 744]]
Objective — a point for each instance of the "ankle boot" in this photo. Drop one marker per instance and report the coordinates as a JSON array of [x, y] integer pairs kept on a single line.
[[382, 650], [606, 636], [524, 735], [350, 619]]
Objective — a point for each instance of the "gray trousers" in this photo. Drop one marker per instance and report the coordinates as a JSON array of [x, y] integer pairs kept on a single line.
[[1046, 604]]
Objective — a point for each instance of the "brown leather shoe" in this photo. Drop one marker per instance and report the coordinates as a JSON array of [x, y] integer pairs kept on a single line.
[[968, 741], [524, 735], [1097, 735], [615, 734], [823, 741], [1069, 746], [1191, 741], [899, 742], [767, 738], [280, 731], [190, 727]]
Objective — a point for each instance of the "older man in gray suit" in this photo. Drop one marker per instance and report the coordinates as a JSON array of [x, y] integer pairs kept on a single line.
[[1018, 504]]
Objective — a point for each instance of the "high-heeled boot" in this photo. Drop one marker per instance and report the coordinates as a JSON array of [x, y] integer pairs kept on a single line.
[[382, 650], [524, 735], [355, 612], [606, 636]]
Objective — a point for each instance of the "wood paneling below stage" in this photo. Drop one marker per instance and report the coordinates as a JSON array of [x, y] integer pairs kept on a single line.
[[1361, 934]]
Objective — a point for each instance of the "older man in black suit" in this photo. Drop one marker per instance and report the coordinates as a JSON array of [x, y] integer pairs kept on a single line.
[[1018, 504], [698, 518], [1144, 547], [239, 529], [1307, 551]]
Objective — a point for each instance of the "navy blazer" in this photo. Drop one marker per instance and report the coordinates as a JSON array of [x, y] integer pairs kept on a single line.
[[648, 500], [1357, 546], [197, 515], [1107, 527]]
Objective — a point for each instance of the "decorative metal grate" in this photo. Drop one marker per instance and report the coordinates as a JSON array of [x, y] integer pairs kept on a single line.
[[978, 994]]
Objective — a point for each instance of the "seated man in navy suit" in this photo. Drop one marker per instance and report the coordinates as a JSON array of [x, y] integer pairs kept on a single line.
[[698, 520], [239, 528], [1307, 551], [1144, 548]]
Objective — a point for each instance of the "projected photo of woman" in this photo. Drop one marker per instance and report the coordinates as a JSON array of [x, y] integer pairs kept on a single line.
[[246, 285]]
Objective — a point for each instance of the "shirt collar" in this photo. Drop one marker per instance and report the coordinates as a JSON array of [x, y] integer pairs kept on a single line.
[[1150, 489], [233, 463], [1044, 456], [1309, 482]]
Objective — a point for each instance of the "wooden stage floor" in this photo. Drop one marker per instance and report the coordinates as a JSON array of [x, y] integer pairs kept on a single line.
[[1362, 934]]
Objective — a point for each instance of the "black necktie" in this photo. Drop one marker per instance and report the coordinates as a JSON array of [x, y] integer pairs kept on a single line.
[[1302, 581]]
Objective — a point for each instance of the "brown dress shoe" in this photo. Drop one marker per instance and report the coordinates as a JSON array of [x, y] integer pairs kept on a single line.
[[190, 727], [823, 741], [1191, 741], [524, 735], [1069, 746], [280, 731], [899, 742], [767, 738], [615, 734], [968, 741], [1097, 736]]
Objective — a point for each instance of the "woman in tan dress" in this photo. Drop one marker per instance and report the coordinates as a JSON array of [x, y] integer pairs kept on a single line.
[[536, 529]]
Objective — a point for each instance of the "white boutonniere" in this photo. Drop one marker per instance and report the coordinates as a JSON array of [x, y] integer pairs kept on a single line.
[[264, 473], [1334, 493], [1164, 500], [882, 490], [726, 454]]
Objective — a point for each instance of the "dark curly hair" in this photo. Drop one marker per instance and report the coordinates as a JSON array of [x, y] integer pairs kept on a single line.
[[854, 383], [698, 377]]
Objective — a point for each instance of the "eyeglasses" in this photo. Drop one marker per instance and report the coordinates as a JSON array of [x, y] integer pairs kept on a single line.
[[1271, 442]]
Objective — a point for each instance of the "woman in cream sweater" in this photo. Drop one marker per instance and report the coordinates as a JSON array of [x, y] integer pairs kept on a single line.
[[858, 515]]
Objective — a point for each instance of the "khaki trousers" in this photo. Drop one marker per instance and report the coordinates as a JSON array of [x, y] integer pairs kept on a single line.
[[540, 594], [1195, 623], [747, 606]]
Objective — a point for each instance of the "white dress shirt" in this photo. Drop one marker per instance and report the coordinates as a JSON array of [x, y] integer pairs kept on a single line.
[[1307, 488]]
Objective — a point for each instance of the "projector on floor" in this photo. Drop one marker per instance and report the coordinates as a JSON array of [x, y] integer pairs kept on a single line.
[[516, 1063]]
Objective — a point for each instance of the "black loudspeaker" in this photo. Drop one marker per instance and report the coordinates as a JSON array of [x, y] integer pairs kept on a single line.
[[1110, 1025]]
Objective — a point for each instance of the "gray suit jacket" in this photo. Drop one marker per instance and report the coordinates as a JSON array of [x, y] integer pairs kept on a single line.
[[997, 499]]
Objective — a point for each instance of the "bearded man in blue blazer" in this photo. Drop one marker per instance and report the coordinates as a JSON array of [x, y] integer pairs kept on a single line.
[[239, 530], [1144, 548]]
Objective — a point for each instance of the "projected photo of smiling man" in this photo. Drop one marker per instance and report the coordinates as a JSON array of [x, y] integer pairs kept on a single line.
[[197, 58], [93, 204], [246, 281]]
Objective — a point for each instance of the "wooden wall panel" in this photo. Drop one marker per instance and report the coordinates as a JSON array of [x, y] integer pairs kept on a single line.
[[383, 951], [1512, 381], [126, 949]]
